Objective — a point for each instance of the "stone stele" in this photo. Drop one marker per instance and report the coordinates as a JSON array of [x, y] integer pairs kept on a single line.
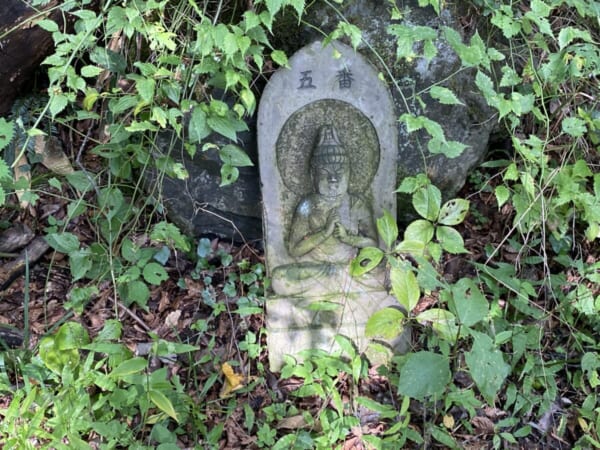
[[327, 141]]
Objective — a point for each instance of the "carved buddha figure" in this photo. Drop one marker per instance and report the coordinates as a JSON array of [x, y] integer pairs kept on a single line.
[[329, 225]]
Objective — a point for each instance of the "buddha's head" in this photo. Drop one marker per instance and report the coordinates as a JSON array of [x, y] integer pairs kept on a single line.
[[329, 163]]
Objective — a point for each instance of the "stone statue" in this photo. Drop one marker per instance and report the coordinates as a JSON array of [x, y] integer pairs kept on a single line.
[[329, 225]]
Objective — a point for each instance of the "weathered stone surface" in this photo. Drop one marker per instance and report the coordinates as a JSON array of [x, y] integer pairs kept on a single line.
[[198, 205], [327, 152], [470, 123]]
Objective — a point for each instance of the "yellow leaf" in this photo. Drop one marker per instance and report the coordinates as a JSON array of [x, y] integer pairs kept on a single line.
[[233, 381], [583, 424], [448, 421]]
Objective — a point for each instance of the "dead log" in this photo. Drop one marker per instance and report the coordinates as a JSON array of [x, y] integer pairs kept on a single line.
[[23, 46]]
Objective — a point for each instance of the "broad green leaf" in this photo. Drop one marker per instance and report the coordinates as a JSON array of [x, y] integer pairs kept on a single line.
[[55, 359], [405, 287], [248, 100], [424, 374], [58, 102], [453, 211], [91, 71], [590, 361], [163, 403], [387, 323], [154, 273], [80, 261], [419, 230], [346, 345], [468, 303], [280, 58], [7, 131], [367, 259], [444, 95], [450, 240], [229, 174], [387, 228], [90, 98], [234, 156], [49, 25], [197, 128], [145, 88], [502, 194], [274, 6], [71, 335], [442, 321], [574, 126], [225, 126], [136, 291], [415, 248], [427, 202], [487, 366], [63, 242], [129, 367], [569, 34], [169, 233]]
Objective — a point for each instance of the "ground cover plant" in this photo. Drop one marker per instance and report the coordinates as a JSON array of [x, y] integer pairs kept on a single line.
[[128, 334]]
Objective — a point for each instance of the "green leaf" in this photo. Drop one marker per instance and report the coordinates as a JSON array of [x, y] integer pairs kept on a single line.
[[154, 273], [169, 233], [424, 374], [280, 58], [63, 242], [487, 366], [468, 303], [442, 321], [427, 202], [163, 403], [387, 228], [229, 174], [71, 335], [6, 132], [502, 195], [453, 211], [574, 126], [450, 240], [136, 291], [145, 88], [91, 71], [415, 248], [58, 102], [405, 287], [197, 128], [367, 259], [387, 323], [49, 25], [444, 95], [223, 125], [419, 230], [274, 6], [55, 359], [129, 367], [80, 261], [234, 156]]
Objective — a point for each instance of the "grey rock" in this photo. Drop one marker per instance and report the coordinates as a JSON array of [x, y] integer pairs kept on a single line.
[[470, 123], [198, 205]]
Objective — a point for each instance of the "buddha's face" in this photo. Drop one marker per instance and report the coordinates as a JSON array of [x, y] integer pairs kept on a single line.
[[331, 180]]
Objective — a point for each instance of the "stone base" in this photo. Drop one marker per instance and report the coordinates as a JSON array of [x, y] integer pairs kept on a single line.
[[298, 323]]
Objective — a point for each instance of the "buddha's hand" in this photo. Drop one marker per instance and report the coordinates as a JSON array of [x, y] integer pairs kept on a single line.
[[332, 220], [340, 232]]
